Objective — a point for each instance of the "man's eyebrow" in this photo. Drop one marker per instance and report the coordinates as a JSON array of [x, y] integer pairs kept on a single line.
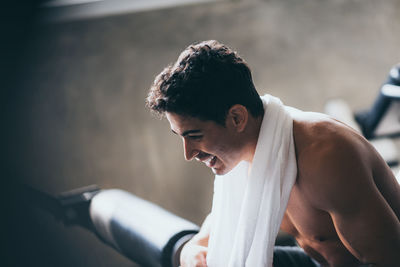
[[185, 133]]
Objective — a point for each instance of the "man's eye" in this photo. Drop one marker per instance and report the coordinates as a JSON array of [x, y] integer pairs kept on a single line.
[[195, 137]]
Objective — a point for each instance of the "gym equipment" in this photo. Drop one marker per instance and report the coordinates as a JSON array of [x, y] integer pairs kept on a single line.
[[383, 119], [381, 123], [142, 231]]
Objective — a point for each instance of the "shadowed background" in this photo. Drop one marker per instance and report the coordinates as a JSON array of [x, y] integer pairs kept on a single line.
[[76, 114]]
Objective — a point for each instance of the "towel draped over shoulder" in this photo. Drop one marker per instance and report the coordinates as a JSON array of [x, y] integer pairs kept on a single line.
[[249, 202]]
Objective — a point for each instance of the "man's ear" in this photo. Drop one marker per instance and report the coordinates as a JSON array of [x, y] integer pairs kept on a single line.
[[238, 117]]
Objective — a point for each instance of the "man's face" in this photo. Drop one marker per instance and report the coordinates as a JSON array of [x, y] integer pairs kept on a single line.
[[216, 146]]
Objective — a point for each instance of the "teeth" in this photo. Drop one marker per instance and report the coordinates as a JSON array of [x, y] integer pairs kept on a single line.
[[208, 161]]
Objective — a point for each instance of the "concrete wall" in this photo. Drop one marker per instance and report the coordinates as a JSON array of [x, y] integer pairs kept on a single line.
[[79, 106]]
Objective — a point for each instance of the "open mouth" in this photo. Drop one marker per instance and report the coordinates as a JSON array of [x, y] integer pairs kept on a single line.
[[210, 162], [208, 159]]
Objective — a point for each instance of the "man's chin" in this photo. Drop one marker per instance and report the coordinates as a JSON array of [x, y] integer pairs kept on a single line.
[[220, 170], [216, 171]]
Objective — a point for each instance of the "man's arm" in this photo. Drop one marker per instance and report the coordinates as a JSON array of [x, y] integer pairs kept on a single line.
[[194, 252], [341, 183]]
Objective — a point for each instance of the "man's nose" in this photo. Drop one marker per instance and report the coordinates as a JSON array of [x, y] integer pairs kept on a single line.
[[189, 150]]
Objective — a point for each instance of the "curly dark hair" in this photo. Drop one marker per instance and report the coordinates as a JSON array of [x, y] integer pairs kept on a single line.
[[205, 82]]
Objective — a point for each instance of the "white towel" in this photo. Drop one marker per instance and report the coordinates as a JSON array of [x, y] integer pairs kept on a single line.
[[248, 207]]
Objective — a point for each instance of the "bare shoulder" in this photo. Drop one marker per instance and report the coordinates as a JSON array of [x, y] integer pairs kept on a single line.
[[332, 159], [319, 137]]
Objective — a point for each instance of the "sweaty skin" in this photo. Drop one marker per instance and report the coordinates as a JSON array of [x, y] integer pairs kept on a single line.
[[344, 207]]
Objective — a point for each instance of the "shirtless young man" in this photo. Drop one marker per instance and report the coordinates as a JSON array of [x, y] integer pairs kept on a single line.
[[344, 208]]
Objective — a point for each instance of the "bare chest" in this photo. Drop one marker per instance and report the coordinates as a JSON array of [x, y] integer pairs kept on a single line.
[[303, 220], [315, 232]]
